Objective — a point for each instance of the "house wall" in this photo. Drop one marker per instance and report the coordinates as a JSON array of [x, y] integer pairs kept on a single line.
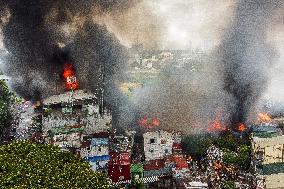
[[65, 140], [274, 181], [272, 148], [91, 123], [119, 172], [98, 165], [157, 144]]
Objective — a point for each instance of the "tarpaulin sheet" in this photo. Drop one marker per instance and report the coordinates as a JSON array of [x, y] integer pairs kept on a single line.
[[99, 141], [98, 158]]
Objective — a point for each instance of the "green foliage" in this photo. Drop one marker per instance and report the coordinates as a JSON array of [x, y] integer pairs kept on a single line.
[[196, 145], [228, 185], [6, 98], [230, 158], [244, 156], [226, 141], [27, 165], [136, 185], [240, 158]]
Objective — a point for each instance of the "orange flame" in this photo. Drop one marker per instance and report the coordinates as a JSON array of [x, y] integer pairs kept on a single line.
[[156, 122], [216, 125], [241, 127], [263, 117], [69, 76], [149, 123]]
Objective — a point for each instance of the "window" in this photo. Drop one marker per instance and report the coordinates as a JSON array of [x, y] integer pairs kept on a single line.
[[166, 151], [152, 141]]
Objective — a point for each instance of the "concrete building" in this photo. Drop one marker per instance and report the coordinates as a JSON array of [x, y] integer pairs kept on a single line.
[[157, 144], [76, 121], [70, 116], [268, 160]]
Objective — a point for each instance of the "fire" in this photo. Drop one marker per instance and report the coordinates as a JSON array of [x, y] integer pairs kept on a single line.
[[263, 117], [241, 127], [216, 125], [70, 78], [156, 122], [149, 123]]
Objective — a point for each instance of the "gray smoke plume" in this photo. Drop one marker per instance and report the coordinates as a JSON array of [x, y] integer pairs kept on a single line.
[[41, 35], [187, 98], [228, 83], [247, 56]]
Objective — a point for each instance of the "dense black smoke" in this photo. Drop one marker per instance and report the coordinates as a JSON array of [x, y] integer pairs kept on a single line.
[[30, 46], [32, 37], [247, 56], [40, 36]]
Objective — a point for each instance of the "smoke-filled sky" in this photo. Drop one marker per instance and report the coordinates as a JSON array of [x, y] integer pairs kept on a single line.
[[241, 41]]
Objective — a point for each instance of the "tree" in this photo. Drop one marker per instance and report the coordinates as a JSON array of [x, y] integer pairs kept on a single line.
[[196, 145], [29, 165], [244, 157], [6, 99], [230, 158]]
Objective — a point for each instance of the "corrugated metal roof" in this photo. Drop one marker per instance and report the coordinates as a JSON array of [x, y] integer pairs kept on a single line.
[[273, 168], [66, 97]]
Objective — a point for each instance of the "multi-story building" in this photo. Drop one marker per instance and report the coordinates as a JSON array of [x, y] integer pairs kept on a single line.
[[268, 157], [157, 144], [76, 120], [120, 155]]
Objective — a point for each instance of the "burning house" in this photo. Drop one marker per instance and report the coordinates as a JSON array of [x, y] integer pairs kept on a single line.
[[76, 120]]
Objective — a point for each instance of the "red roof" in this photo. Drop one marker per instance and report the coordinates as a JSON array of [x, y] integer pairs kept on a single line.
[[154, 164], [180, 162], [119, 158], [177, 146]]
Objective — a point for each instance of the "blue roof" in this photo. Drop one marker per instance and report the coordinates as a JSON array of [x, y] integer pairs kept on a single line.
[[265, 128], [98, 158]]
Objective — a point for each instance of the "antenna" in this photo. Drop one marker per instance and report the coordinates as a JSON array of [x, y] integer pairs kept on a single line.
[[102, 88]]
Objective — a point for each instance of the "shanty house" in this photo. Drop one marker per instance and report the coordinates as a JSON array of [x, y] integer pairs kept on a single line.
[[95, 149], [136, 170], [119, 166]]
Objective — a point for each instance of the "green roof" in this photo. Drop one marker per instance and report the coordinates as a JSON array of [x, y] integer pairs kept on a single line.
[[137, 168], [270, 169], [63, 130], [266, 134]]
